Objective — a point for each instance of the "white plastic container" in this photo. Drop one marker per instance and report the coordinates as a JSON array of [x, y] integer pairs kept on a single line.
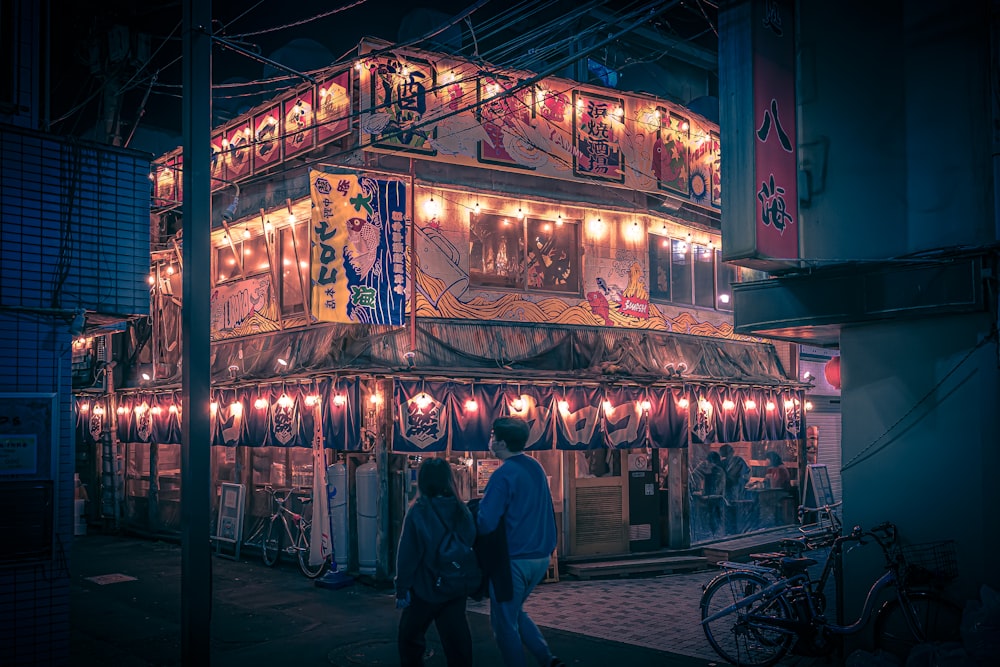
[[366, 482]]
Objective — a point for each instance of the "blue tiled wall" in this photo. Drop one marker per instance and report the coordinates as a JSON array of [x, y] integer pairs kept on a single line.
[[74, 234]]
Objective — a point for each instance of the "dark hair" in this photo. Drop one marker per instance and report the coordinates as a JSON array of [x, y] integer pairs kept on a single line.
[[435, 478], [713, 457], [726, 450], [775, 458], [513, 431]]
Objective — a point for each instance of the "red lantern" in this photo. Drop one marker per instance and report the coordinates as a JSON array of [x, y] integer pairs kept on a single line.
[[832, 372]]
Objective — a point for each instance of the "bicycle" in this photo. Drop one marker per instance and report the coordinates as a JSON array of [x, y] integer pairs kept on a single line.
[[756, 614], [289, 532]]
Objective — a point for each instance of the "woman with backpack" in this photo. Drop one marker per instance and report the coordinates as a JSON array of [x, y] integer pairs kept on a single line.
[[434, 515]]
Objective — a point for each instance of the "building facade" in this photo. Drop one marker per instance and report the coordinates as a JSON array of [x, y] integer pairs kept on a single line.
[[412, 245]]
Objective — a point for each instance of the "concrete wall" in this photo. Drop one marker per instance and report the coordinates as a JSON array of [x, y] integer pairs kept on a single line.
[[894, 109], [920, 424]]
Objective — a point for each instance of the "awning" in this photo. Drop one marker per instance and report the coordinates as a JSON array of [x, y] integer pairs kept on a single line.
[[462, 349]]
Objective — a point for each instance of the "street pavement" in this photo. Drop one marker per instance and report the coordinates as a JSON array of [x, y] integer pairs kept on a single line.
[[125, 611]]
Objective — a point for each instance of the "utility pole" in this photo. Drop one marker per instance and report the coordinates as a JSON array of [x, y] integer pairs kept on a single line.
[[196, 487]]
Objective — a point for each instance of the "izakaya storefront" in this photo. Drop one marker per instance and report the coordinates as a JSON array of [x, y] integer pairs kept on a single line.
[[628, 453]]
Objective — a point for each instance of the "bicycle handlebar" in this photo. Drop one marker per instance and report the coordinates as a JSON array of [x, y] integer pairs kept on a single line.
[[822, 508]]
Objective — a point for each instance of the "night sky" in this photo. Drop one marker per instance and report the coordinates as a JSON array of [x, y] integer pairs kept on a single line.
[[80, 31]]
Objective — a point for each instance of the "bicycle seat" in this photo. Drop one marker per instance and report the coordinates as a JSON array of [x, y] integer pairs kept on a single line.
[[793, 565]]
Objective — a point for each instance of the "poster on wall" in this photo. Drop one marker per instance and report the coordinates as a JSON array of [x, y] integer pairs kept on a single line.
[[297, 117], [597, 129], [670, 152], [504, 118], [266, 142], [359, 245], [400, 93], [243, 307], [333, 111]]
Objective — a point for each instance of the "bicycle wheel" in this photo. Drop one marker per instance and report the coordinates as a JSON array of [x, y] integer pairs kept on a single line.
[[302, 547], [938, 620], [738, 636], [271, 548]]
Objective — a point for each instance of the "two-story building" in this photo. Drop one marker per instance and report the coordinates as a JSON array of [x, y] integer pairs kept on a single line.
[[412, 244]]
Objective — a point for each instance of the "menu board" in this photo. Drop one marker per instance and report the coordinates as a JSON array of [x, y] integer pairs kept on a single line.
[[485, 468], [818, 491]]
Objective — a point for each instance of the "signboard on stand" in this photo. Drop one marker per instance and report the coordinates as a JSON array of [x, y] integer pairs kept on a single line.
[[229, 527]]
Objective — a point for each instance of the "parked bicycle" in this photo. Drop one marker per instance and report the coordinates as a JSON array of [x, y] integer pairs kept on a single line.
[[754, 614], [289, 532]]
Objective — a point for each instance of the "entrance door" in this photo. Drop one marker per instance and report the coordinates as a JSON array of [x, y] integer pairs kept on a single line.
[[598, 505]]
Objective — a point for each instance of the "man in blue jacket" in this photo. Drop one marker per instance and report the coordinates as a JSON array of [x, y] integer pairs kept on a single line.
[[518, 494]]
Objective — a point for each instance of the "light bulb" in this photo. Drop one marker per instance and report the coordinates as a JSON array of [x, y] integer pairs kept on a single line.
[[471, 405], [260, 404], [339, 400], [750, 404], [564, 408]]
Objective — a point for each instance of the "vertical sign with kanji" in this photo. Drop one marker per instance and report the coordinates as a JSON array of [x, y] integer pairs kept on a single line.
[[760, 225], [359, 244], [775, 166]]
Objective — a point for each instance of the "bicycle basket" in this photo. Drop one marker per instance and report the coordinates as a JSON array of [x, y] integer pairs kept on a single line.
[[930, 562]]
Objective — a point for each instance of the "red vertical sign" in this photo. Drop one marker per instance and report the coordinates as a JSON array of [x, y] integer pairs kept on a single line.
[[775, 166]]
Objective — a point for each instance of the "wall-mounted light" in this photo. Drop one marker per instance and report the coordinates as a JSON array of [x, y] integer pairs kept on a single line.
[[339, 400], [285, 401], [807, 376], [789, 404], [704, 405], [520, 214], [230, 213], [645, 405], [564, 408], [260, 404], [471, 405], [724, 298], [809, 405], [769, 406], [432, 208], [608, 408], [517, 404], [311, 400], [683, 403], [121, 409], [476, 209], [750, 404], [173, 409], [156, 409], [728, 404], [84, 407], [375, 399]]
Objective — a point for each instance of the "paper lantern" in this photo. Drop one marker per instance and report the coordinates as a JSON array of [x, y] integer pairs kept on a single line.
[[832, 372]]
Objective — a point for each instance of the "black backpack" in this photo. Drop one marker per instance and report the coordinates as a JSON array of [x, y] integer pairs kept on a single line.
[[454, 567]]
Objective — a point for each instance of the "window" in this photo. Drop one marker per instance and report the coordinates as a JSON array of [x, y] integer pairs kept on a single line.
[[496, 251], [659, 267], [728, 275], [524, 254], [553, 263], [294, 261], [689, 273], [250, 259], [704, 276], [680, 272]]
